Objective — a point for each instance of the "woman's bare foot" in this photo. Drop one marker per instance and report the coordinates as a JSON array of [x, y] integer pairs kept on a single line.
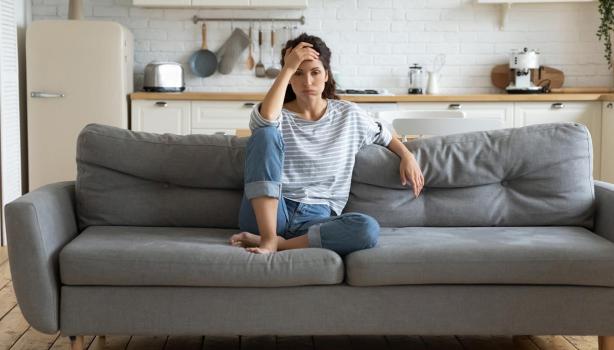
[[245, 239]]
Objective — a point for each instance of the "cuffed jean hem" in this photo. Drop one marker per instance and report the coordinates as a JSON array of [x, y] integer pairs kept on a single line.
[[262, 189], [313, 236]]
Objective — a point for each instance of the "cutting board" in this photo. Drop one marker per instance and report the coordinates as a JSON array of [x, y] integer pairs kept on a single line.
[[501, 76]]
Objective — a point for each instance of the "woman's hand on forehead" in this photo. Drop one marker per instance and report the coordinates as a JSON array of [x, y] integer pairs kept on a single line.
[[301, 52]]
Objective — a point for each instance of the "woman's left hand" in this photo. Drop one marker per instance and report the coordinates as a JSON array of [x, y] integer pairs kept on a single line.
[[410, 172]]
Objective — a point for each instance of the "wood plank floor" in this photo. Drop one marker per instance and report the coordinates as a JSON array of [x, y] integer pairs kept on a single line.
[[16, 334]]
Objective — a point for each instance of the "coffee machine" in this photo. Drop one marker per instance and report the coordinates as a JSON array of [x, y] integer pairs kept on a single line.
[[416, 79], [523, 64]]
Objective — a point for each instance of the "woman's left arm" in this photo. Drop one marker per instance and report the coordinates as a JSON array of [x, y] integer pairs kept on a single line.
[[409, 168]]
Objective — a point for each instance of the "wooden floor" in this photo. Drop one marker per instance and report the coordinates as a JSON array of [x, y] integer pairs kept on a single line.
[[15, 333]]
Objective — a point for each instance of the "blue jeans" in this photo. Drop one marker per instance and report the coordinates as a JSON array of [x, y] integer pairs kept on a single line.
[[343, 234]]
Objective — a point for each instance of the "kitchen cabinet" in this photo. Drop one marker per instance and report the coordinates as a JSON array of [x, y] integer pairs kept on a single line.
[[283, 4], [374, 108], [204, 117], [279, 3], [220, 3], [225, 117], [210, 117], [607, 142], [191, 117], [161, 116], [587, 113], [503, 111], [162, 3]]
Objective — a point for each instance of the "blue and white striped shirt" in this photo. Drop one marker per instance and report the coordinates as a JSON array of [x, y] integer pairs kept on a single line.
[[319, 155]]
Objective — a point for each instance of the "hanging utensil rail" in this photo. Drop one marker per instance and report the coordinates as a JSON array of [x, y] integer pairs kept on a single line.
[[197, 19]]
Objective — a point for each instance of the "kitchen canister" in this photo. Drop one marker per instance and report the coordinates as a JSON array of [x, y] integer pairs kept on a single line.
[[432, 86]]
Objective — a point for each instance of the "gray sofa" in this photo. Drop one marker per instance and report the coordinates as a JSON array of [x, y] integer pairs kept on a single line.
[[511, 236]]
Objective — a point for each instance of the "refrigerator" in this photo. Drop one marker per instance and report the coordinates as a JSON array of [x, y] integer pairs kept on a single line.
[[78, 72]]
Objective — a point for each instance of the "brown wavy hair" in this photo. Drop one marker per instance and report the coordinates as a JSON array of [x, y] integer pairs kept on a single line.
[[318, 44]]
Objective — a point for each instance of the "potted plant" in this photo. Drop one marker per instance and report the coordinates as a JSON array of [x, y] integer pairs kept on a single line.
[[606, 11]]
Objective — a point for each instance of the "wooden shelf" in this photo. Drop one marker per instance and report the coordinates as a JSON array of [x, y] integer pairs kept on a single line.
[[527, 1], [506, 5]]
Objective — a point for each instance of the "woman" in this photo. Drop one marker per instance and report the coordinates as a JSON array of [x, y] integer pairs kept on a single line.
[[305, 138]]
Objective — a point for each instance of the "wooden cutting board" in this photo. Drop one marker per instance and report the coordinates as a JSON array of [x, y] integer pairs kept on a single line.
[[501, 76]]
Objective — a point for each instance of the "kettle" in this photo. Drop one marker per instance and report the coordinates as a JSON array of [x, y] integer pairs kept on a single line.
[[416, 79]]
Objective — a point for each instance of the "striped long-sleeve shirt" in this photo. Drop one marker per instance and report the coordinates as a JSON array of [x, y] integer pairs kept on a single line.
[[319, 155]]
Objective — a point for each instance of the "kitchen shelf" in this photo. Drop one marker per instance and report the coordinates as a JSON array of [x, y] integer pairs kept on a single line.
[[233, 4], [197, 19], [506, 5]]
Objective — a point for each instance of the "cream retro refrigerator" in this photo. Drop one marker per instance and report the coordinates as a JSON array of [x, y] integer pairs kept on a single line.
[[78, 72]]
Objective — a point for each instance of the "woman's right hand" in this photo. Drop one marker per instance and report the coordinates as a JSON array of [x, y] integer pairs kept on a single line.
[[273, 102], [294, 56]]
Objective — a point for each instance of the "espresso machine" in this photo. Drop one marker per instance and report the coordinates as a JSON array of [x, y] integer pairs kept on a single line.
[[523, 64]]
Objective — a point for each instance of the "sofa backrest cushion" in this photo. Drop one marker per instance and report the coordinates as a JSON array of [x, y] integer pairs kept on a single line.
[[530, 176], [146, 179]]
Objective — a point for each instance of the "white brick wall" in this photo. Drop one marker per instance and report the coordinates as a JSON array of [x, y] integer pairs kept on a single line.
[[374, 41]]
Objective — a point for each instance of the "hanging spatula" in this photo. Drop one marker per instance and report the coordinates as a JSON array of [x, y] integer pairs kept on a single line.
[[250, 58], [259, 66]]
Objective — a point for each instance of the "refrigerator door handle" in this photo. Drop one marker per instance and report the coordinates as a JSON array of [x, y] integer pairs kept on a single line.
[[40, 94]]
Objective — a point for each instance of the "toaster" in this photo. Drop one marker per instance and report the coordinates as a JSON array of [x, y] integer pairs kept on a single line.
[[163, 77]]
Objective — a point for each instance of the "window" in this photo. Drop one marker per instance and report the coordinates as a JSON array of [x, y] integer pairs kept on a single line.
[[10, 134]]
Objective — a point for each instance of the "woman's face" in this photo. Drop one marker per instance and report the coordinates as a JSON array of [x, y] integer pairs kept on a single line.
[[309, 79]]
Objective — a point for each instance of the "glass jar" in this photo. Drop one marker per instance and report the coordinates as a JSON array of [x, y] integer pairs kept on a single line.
[[416, 79]]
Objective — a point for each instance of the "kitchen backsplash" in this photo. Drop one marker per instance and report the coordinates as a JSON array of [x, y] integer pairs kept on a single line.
[[373, 42]]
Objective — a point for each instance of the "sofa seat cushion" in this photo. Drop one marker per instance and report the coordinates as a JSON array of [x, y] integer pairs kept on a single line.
[[172, 256], [556, 255]]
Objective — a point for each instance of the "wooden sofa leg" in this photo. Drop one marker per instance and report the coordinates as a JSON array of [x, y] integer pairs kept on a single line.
[[606, 342], [76, 342]]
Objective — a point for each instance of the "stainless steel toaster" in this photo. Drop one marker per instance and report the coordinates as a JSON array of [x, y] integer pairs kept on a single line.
[[164, 77]]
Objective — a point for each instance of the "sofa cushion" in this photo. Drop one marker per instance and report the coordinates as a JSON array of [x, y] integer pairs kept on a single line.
[[165, 256], [484, 255], [537, 175], [145, 179], [529, 176]]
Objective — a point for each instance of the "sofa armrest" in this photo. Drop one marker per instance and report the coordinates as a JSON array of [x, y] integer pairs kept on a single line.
[[604, 210], [38, 225]]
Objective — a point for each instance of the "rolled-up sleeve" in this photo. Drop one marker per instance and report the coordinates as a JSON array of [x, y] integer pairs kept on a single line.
[[379, 134], [256, 120], [375, 131]]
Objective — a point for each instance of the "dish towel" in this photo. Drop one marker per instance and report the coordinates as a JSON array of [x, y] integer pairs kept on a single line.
[[231, 50]]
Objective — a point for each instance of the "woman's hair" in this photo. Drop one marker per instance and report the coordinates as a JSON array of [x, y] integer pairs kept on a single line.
[[330, 86]]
